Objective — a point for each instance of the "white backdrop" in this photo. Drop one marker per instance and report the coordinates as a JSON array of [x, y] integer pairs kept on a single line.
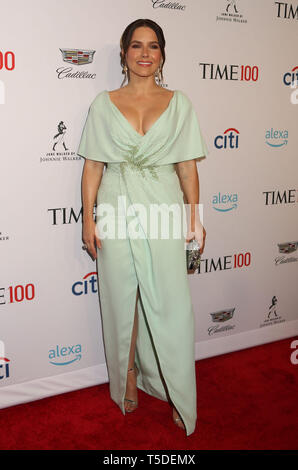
[[236, 62]]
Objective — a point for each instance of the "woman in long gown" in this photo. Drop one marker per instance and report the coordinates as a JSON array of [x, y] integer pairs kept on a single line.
[[148, 138]]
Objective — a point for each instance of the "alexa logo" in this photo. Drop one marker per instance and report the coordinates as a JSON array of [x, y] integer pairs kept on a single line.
[[276, 138], [87, 285], [225, 202], [229, 139], [65, 355]]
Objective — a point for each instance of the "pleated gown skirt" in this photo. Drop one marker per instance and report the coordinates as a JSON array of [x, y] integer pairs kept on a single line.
[[165, 353]]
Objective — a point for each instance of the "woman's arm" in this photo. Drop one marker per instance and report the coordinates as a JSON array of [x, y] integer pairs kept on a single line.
[[91, 178], [189, 182]]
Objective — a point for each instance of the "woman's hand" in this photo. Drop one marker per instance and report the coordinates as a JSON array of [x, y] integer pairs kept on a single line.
[[90, 237], [189, 181], [197, 234]]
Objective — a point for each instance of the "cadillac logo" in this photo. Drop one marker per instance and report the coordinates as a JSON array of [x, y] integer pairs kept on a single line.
[[223, 315], [287, 250], [77, 56], [288, 247]]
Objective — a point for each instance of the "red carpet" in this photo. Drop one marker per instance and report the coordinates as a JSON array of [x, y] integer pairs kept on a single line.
[[247, 399]]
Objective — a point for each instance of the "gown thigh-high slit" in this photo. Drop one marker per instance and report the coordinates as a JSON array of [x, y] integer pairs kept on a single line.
[[141, 169]]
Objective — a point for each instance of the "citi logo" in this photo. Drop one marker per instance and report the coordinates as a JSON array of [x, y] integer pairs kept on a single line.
[[290, 78], [4, 368], [228, 140], [86, 286], [276, 138], [65, 355], [224, 202]]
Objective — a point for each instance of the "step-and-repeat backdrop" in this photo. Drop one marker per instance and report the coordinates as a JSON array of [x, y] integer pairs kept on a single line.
[[237, 62]]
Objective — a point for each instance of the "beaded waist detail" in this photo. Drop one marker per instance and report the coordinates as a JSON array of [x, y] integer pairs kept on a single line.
[[152, 170], [140, 164]]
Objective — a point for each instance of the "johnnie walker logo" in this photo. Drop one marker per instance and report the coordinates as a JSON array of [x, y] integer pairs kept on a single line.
[[231, 13], [59, 148], [272, 317]]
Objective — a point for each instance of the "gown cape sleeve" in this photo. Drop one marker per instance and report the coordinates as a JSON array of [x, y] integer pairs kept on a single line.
[[177, 137]]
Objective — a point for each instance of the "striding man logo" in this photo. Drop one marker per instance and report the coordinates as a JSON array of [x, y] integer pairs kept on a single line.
[[59, 138], [233, 3], [272, 308]]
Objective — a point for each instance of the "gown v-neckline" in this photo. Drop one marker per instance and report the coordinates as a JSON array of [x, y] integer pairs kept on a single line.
[[125, 120]]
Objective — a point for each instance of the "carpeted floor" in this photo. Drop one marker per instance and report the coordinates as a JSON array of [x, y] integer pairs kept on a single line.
[[247, 399]]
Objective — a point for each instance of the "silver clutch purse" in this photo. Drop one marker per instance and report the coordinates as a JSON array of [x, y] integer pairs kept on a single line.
[[193, 255]]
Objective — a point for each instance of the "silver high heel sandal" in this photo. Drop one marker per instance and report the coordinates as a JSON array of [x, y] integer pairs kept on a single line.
[[133, 402], [177, 420]]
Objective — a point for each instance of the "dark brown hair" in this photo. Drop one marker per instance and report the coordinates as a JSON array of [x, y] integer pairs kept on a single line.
[[127, 35]]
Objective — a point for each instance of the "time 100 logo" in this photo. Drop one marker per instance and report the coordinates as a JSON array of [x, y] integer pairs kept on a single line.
[[7, 60]]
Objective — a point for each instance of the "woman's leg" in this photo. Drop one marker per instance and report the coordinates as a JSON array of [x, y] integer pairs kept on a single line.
[[131, 384]]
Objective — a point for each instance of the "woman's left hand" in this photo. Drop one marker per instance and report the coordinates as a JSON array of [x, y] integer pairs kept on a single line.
[[197, 234]]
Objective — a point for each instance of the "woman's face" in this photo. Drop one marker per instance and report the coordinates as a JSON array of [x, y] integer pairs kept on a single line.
[[143, 55]]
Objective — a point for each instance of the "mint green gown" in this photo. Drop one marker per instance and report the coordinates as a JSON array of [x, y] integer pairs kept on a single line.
[[141, 168]]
